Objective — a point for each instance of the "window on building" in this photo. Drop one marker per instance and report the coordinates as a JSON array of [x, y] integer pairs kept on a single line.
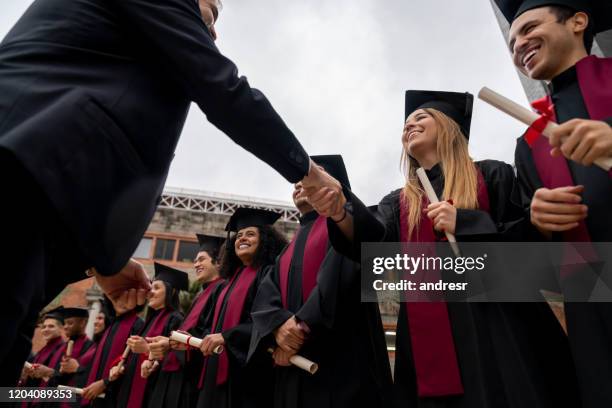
[[144, 248], [164, 249], [187, 251]]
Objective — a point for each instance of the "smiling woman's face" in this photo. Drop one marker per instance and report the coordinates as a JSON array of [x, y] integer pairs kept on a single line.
[[247, 242], [157, 299], [420, 133]]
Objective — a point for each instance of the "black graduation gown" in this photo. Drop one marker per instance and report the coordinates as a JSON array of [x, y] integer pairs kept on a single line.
[[112, 390], [132, 367], [346, 338], [589, 325], [248, 385], [180, 388], [75, 379], [509, 354]]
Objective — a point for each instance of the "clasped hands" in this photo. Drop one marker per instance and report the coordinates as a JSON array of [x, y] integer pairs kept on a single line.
[[289, 338]]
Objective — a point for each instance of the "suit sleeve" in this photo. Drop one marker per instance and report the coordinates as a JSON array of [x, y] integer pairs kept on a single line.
[[183, 45]]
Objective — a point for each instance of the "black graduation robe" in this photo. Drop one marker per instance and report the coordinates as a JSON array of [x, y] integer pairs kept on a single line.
[[589, 325], [346, 336], [112, 389], [132, 366], [248, 385], [75, 379], [180, 388], [509, 354]]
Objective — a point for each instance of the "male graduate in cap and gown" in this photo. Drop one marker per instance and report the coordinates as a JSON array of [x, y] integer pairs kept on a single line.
[[177, 386], [226, 379], [42, 365], [456, 354], [569, 198], [140, 371], [309, 304], [67, 368]]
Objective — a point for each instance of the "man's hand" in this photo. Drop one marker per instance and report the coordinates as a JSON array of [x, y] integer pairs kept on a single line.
[[281, 357], [68, 365], [158, 347], [210, 343], [443, 216], [128, 288], [582, 140], [558, 209], [138, 345], [289, 337], [94, 389], [324, 193]]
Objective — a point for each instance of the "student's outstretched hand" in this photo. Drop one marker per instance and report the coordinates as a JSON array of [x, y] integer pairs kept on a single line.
[[158, 347], [582, 140], [128, 288]]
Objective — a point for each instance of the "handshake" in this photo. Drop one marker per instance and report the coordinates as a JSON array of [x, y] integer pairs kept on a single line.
[[324, 193]]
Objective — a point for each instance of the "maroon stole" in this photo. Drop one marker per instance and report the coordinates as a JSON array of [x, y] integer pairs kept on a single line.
[[595, 82], [171, 362], [314, 253], [431, 337], [118, 345], [243, 279], [139, 384], [48, 351]]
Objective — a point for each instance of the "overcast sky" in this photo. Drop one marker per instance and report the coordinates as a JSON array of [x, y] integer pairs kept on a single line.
[[336, 71]]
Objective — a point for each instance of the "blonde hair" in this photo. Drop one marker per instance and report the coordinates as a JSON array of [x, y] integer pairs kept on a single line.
[[460, 177]]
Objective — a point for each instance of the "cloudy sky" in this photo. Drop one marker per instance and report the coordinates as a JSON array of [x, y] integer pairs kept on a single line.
[[336, 71]]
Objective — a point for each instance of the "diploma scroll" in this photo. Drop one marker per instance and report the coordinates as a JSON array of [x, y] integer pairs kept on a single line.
[[76, 390], [191, 341], [527, 117], [69, 348], [433, 198], [301, 362], [126, 351]]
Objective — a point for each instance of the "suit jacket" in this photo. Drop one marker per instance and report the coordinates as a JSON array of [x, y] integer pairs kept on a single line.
[[93, 97]]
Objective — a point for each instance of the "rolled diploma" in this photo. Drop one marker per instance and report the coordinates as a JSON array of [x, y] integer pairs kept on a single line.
[[126, 351], [301, 362], [76, 390], [527, 117], [433, 198], [69, 348], [191, 341]]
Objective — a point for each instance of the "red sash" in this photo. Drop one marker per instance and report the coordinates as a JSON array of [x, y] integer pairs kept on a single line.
[[243, 279], [139, 384], [171, 362], [314, 253], [431, 337], [118, 345]]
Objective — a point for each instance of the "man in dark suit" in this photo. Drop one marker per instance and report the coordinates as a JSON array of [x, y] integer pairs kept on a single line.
[[93, 97]]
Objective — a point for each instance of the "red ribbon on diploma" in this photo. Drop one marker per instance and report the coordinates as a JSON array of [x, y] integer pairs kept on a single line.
[[544, 107]]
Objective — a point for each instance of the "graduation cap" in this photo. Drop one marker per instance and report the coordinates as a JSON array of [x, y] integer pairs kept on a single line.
[[56, 314], [245, 217], [75, 312], [599, 11], [334, 165], [178, 279], [208, 244], [456, 105]]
